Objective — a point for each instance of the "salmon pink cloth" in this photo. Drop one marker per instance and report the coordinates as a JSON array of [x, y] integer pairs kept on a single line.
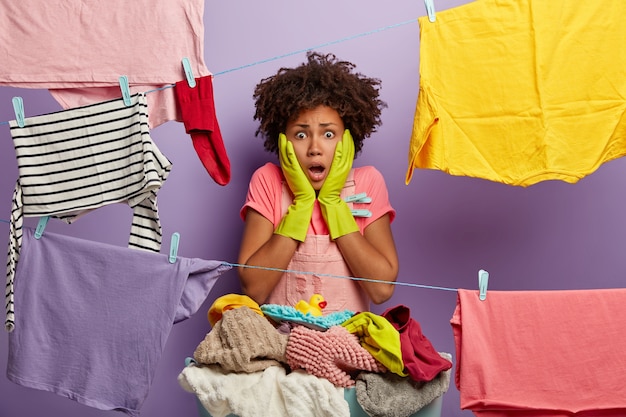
[[541, 353]]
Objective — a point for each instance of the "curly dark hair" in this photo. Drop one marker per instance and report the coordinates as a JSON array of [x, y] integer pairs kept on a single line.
[[323, 80]]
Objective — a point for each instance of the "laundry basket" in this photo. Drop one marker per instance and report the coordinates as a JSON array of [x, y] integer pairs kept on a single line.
[[431, 410]]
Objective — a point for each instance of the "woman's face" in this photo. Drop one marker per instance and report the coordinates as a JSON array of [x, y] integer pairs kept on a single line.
[[314, 134]]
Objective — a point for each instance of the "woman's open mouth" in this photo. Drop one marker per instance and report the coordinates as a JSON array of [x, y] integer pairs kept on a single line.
[[317, 172]]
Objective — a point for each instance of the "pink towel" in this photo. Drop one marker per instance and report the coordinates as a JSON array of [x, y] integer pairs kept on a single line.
[[541, 353], [333, 354]]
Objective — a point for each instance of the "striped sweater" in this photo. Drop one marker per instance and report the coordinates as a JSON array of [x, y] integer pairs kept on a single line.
[[74, 161]]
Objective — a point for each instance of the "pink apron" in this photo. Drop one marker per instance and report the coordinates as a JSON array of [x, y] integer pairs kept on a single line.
[[316, 258]]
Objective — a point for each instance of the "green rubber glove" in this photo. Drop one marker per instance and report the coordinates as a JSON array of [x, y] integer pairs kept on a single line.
[[295, 223], [336, 211]]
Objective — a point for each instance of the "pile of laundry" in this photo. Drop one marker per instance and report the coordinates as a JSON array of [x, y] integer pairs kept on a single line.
[[251, 364]]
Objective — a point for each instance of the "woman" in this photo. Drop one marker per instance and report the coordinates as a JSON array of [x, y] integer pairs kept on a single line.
[[315, 117]]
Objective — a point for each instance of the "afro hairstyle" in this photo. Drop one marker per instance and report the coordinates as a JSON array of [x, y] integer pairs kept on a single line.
[[322, 80]]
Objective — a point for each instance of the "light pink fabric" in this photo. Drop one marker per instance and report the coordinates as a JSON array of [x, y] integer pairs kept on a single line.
[[79, 49], [541, 353]]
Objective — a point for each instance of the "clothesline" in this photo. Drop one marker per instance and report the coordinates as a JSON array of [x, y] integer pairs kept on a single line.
[[277, 57], [406, 284]]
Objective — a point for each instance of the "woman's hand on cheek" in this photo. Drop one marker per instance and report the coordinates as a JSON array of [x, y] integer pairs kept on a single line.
[[336, 212], [295, 223]]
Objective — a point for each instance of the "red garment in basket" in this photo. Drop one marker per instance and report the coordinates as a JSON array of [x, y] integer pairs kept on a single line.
[[421, 361], [541, 353]]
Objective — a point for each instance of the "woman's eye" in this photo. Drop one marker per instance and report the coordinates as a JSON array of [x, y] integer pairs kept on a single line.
[[329, 135], [300, 135]]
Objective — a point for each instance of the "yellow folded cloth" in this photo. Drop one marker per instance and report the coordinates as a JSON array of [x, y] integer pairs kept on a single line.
[[229, 302], [378, 336]]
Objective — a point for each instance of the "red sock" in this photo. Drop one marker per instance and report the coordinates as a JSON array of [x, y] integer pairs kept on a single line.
[[197, 109]]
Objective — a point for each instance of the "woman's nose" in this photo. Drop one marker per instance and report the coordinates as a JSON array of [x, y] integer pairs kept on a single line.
[[314, 146]]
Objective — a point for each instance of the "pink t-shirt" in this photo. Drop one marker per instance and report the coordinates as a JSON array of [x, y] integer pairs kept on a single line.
[[265, 196], [78, 49]]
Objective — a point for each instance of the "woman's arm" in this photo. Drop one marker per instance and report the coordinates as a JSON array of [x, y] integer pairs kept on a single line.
[[372, 255], [260, 246]]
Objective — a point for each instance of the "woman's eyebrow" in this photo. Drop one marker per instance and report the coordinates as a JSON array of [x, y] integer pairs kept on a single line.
[[306, 126]]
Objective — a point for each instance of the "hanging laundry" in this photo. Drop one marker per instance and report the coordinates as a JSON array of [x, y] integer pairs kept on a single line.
[[521, 91], [94, 318], [81, 60], [541, 353], [197, 110], [75, 161]]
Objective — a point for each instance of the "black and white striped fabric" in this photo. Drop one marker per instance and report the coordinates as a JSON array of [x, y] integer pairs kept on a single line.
[[77, 160]]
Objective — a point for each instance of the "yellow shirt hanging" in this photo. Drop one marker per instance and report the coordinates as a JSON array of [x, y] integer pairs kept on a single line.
[[521, 91]]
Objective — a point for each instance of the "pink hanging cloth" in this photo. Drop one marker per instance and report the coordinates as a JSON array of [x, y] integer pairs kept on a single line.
[[541, 353], [78, 49]]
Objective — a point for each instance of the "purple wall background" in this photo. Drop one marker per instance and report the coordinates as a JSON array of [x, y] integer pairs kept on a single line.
[[552, 235]]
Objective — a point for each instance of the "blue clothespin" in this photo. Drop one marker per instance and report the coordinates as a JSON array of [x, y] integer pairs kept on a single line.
[[18, 107], [358, 198], [174, 247], [430, 10], [483, 282], [189, 73], [124, 86], [361, 213], [41, 226]]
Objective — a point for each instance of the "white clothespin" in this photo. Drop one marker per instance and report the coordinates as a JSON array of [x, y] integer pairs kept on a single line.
[[41, 225], [430, 10], [483, 282], [174, 247], [124, 86], [18, 107], [189, 73]]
